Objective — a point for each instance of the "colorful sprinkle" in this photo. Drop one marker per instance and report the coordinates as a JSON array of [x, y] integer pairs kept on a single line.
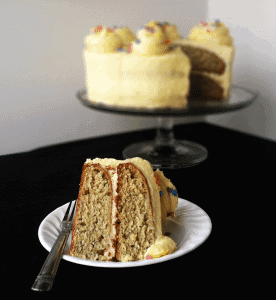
[[161, 193], [121, 50], [130, 48], [171, 47], [203, 24], [99, 28], [174, 192], [168, 41], [138, 41], [150, 29], [149, 257], [169, 189]]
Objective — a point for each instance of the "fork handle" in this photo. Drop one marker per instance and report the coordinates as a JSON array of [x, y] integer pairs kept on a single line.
[[46, 276]]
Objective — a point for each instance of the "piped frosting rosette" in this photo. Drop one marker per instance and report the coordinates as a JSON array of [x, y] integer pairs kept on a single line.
[[152, 39], [103, 40], [214, 32], [170, 29], [126, 35]]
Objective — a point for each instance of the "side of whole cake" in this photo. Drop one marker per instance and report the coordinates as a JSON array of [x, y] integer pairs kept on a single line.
[[150, 74], [211, 51], [118, 212]]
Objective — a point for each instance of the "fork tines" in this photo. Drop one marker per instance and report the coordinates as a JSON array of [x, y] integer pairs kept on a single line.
[[67, 212]]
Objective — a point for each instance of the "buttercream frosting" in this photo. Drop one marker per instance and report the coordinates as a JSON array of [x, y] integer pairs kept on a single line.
[[151, 40], [170, 29], [103, 40], [162, 246], [213, 32], [126, 35]]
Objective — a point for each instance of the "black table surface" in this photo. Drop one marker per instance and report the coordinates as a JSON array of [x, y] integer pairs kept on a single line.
[[232, 186]]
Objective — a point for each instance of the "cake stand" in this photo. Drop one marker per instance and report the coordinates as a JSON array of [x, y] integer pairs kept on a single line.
[[166, 152]]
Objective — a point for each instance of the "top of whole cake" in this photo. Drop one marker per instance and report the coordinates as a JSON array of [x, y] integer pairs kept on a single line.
[[154, 38]]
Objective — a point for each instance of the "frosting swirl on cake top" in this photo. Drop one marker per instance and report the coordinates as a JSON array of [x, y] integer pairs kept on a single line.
[[171, 30], [103, 40], [214, 32], [151, 40], [126, 35]]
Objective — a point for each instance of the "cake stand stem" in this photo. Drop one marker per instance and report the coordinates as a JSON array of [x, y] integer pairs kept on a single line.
[[166, 152], [165, 134]]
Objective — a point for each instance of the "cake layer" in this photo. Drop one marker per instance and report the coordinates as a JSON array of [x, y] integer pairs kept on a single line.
[[92, 224], [204, 87], [204, 60], [135, 226]]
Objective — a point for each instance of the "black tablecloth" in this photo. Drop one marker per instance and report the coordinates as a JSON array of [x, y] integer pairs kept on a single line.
[[230, 186]]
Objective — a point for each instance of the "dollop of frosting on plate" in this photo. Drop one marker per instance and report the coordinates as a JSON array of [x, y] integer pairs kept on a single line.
[[214, 32], [103, 40], [162, 246]]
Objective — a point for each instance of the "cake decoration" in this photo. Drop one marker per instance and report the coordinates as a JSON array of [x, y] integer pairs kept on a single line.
[[153, 41], [120, 49], [130, 48], [174, 192], [220, 33], [103, 40], [169, 189], [127, 36]]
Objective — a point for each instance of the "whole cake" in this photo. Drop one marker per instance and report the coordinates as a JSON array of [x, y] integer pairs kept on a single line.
[[211, 50], [118, 212], [150, 74]]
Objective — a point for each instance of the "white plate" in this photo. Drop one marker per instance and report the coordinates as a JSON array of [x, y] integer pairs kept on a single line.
[[190, 227]]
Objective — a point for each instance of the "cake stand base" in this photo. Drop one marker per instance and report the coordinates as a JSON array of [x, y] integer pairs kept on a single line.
[[181, 154]]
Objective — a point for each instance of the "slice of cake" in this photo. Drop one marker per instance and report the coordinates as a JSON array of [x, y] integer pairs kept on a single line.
[[118, 212], [211, 50], [150, 74]]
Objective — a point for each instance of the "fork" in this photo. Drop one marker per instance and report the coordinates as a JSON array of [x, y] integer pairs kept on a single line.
[[46, 276]]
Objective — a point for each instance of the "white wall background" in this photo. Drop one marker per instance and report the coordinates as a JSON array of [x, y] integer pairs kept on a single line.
[[253, 27], [41, 66]]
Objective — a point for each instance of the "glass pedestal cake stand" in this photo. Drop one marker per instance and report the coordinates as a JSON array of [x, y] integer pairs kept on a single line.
[[166, 152]]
